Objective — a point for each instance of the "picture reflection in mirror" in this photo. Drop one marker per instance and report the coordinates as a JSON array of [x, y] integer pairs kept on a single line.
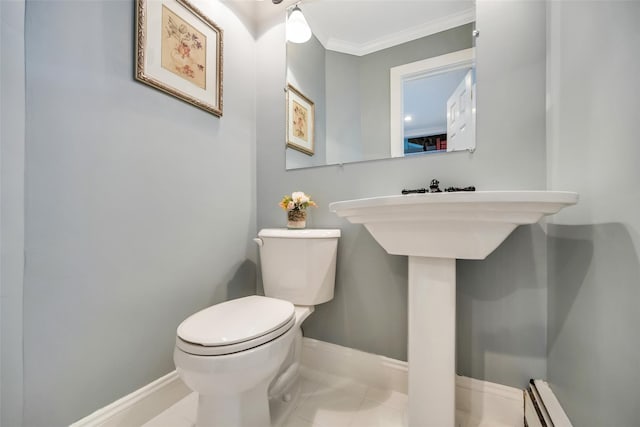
[[349, 78]]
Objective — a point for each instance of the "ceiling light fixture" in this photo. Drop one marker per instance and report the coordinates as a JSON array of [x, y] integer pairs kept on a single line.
[[298, 30]]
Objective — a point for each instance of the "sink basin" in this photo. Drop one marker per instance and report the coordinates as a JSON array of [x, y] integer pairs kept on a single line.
[[465, 225], [435, 229]]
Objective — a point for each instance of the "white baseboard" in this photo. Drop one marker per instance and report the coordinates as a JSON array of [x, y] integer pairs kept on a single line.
[[142, 405], [482, 400], [367, 368], [490, 402]]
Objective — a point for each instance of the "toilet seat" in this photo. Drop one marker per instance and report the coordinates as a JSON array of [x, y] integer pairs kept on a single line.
[[235, 326]]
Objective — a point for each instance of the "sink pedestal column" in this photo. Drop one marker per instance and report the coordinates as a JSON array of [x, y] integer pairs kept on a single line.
[[432, 342]]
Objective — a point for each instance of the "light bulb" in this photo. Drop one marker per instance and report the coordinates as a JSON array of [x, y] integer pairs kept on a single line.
[[298, 30]]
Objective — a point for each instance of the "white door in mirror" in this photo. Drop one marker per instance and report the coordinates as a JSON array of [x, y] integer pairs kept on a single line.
[[461, 124]]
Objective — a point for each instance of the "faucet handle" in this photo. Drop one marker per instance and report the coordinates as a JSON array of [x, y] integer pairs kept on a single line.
[[434, 187]]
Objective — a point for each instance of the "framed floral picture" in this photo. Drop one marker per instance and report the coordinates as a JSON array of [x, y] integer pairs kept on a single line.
[[179, 51], [300, 121]]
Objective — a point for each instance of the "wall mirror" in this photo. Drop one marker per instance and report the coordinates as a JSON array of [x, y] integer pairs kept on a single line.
[[376, 73]]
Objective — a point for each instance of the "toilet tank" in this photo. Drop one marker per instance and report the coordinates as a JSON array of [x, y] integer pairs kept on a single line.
[[299, 265]]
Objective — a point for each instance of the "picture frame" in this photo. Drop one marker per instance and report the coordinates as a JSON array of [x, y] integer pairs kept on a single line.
[[179, 51], [300, 121]]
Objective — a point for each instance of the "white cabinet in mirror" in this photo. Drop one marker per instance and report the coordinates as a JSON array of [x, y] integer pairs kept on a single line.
[[345, 70]]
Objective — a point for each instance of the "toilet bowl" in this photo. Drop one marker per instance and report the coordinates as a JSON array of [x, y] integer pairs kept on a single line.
[[242, 356]]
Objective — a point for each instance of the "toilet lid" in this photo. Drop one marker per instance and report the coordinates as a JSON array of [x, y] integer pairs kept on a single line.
[[223, 327]]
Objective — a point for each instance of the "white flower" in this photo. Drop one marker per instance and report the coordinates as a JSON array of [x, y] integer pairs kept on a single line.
[[297, 196], [300, 198], [297, 201]]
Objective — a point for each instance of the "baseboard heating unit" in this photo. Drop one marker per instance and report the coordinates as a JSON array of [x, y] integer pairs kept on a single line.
[[541, 407]]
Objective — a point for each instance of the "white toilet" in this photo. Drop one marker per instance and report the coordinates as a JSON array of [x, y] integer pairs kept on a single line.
[[242, 356]]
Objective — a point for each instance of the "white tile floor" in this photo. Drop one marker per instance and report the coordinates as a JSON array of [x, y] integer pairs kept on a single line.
[[339, 404], [326, 401], [345, 403]]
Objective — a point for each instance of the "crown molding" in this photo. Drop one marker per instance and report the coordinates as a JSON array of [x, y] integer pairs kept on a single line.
[[406, 35]]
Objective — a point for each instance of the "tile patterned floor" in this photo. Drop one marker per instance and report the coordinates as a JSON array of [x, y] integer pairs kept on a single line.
[[327, 401]]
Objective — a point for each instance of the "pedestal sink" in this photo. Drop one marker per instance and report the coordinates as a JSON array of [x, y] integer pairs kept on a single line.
[[433, 230]]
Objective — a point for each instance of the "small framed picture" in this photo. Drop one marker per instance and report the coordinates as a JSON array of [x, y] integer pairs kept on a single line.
[[300, 121], [179, 51]]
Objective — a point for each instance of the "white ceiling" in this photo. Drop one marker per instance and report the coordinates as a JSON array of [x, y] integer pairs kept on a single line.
[[359, 27]]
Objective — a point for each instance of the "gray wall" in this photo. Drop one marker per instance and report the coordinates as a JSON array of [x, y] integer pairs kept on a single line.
[[369, 309], [594, 248], [344, 127], [12, 128], [140, 208]]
